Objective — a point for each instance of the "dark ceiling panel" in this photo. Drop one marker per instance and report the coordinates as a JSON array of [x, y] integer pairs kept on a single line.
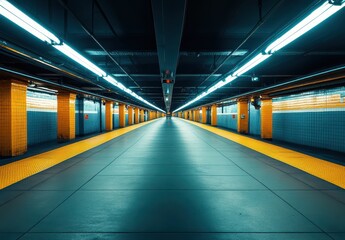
[[212, 29]]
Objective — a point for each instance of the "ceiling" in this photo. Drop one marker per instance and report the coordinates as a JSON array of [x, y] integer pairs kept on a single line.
[[121, 38]]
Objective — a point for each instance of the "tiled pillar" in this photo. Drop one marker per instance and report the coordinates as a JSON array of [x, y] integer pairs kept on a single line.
[[204, 115], [266, 118], [214, 115], [197, 115], [142, 115], [66, 116], [136, 115], [108, 115], [13, 120], [179, 114], [242, 115], [122, 115], [130, 115]]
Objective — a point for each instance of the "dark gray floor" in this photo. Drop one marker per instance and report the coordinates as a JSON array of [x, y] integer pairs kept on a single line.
[[172, 180]]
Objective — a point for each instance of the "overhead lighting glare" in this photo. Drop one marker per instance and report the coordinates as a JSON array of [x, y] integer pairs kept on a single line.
[[119, 85], [316, 17], [18, 17], [251, 64], [74, 55], [327, 9], [21, 19]]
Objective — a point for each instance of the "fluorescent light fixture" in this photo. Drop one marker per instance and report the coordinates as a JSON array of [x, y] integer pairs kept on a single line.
[[74, 55], [21, 19], [327, 9], [18, 17], [316, 17], [251, 64], [119, 85]]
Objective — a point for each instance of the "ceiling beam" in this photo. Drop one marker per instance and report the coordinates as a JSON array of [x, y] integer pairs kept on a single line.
[[168, 17]]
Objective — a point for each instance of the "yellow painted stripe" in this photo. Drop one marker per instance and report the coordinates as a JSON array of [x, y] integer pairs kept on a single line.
[[328, 171], [19, 170]]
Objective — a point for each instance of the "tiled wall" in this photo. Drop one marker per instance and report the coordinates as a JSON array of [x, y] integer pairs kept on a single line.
[[116, 118], [227, 117], [315, 118], [41, 117], [254, 121], [88, 116]]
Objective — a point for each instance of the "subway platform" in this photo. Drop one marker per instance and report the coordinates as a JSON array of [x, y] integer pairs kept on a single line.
[[170, 179]]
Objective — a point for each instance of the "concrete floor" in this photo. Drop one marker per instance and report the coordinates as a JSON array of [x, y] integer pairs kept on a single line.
[[172, 180]]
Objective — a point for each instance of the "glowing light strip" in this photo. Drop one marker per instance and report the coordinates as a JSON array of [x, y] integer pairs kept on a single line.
[[320, 14], [22, 20]]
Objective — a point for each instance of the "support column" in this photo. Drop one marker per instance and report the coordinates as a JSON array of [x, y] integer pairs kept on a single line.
[[197, 115], [66, 116], [130, 115], [136, 115], [214, 115], [194, 115], [108, 115], [142, 115], [242, 115], [179, 114], [266, 118], [13, 119], [122, 115], [190, 114], [204, 115]]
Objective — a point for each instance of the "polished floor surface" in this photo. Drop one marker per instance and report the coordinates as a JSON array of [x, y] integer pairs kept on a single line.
[[172, 180]]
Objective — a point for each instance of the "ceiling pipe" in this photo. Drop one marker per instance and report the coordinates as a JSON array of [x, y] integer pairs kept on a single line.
[[252, 31], [64, 5], [65, 87], [295, 83]]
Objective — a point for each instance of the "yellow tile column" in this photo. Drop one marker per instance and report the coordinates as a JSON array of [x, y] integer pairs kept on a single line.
[[142, 115], [214, 115], [179, 114], [136, 115], [108, 115], [122, 116], [13, 120], [197, 115], [194, 115], [204, 115], [266, 118], [66, 116], [130, 115], [242, 115]]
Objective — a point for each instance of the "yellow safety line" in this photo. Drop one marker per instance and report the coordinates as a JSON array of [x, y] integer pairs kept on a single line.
[[19, 170], [328, 171]]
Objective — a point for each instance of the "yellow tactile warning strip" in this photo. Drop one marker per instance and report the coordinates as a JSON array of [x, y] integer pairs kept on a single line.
[[19, 170], [325, 170]]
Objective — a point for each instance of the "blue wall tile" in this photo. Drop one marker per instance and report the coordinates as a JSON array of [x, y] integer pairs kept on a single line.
[[227, 117], [311, 119], [254, 121], [41, 117]]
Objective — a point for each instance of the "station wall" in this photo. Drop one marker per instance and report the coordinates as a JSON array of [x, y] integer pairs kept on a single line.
[[227, 117], [41, 117], [314, 118]]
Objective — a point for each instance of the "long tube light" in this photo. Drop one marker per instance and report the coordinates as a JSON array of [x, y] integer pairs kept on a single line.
[[22, 20], [327, 9], [316, 17], [74, 55], [18, 17]]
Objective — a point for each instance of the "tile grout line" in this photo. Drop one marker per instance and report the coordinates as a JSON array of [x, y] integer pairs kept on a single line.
[[271, 191], [68, 197]]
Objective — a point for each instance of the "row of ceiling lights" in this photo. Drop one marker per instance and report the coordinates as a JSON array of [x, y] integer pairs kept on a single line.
[[327, 9], [21, 19]]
